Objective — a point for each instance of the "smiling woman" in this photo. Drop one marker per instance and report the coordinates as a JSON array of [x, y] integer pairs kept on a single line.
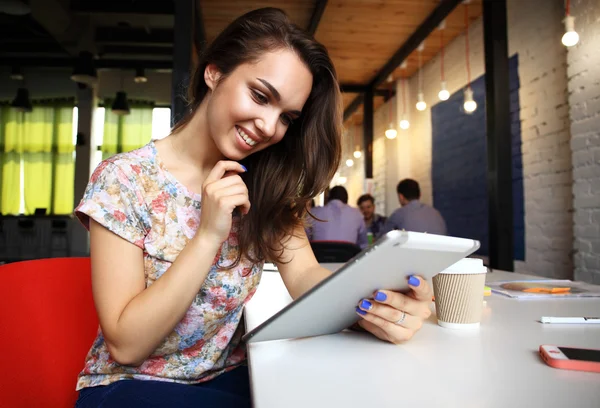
[[181, 227]]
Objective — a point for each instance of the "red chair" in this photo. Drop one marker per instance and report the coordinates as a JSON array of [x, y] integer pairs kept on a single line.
[[48, 323]]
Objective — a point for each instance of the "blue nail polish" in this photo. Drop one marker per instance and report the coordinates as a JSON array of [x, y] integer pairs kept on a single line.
[[412, 281], [380, 296], [244, 167], [360, 311], [365, 304]]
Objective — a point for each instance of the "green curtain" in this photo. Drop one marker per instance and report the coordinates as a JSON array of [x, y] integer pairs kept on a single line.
[[11, 148], [128, 132], [42, 142]]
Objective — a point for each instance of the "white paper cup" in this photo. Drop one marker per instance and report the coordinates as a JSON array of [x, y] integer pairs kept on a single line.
[[458, 294]]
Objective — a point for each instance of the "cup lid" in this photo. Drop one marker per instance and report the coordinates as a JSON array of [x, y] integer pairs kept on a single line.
[[466, 266]]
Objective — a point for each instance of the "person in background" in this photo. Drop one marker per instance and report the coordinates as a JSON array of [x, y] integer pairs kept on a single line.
[[414, 215], [374, 222], [341, 222]]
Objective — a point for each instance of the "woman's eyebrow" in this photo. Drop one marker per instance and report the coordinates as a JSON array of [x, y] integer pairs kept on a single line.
[[271, 89], [276, 94]]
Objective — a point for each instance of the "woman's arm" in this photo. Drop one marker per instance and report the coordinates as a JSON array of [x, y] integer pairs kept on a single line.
[[389, 315], [134, 319], [300, 271]]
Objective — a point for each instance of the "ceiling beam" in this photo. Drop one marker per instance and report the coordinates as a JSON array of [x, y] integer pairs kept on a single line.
[[72, 32], [112, 63], [315, 19], [123, 35], [432, 21], [122, 7], [136, 50]]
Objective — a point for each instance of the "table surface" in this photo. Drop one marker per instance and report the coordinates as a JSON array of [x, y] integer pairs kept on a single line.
[[495, 366]]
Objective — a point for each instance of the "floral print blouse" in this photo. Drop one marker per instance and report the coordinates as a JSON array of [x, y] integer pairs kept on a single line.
[[134, 196]]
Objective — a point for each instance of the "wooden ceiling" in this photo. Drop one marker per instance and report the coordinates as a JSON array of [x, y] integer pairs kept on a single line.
[[361, 35]]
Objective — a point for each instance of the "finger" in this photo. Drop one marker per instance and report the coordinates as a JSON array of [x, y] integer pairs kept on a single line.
[[224, 183], [403, 302], [384, 329], [390, 314], [420, 287], [233, 201], [219, 186], [221, 168]]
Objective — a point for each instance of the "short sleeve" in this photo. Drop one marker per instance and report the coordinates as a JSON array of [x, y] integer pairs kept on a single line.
[[112, 200]]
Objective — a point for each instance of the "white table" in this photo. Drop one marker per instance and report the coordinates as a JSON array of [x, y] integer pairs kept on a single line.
[[496, 366]]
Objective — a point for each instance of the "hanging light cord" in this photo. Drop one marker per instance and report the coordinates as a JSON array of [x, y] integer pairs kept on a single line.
[[442, 47], [420, 73], [403, 96], [390, 103], [467, 45], [568, 7]]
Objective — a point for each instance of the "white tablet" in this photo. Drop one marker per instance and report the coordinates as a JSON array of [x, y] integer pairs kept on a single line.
[[329, 307]]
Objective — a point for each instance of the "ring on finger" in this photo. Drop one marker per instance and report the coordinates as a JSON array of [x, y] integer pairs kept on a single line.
[[401, 320]]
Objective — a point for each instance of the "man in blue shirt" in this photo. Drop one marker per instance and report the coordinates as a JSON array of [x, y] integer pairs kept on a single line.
[[414, 215], [341, 222], [373, 221]]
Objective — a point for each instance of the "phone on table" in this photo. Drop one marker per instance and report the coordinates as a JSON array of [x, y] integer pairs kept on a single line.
[[569, 358]]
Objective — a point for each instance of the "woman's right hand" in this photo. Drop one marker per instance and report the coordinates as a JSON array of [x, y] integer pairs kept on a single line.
[[222, 191]]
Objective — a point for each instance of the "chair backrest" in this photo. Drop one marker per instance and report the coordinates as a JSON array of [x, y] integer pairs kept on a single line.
[[334, 251], [48, 323]]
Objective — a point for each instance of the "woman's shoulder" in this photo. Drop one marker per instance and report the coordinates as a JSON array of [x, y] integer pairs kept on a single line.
[[134, 163]]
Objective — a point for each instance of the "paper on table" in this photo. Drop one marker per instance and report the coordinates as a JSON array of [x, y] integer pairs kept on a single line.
[[544, 289]]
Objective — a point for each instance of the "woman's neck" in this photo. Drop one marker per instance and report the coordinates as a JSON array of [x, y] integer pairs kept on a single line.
[[193, 144]]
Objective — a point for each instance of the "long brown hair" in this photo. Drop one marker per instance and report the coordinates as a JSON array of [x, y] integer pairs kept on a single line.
[[282, 178]]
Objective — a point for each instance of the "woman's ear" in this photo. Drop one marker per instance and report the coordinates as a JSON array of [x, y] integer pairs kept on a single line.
[[211, 76]]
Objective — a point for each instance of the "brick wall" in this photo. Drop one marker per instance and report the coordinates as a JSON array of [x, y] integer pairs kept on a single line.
[[584, 100], [534, 31]]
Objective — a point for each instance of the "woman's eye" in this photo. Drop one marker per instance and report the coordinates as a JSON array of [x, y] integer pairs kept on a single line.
[[260, 98], [287, 120]]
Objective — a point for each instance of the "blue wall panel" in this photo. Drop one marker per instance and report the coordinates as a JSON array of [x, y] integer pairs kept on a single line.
[[459, 165]]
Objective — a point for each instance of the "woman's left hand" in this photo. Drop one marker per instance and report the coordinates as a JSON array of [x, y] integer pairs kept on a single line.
[[396, 317]]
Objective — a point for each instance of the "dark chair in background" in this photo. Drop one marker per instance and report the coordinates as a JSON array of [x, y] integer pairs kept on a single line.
[[334, 251]]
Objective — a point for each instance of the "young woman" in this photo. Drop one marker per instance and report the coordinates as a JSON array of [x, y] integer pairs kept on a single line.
[[181, 227]]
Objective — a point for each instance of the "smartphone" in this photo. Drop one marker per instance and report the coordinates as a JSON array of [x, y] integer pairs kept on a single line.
[[569, 358]]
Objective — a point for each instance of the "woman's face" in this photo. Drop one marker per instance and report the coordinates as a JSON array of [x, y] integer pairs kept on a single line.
[[252, 108]]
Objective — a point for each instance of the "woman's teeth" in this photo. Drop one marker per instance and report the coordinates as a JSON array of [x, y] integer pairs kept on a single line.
[[246, 138]]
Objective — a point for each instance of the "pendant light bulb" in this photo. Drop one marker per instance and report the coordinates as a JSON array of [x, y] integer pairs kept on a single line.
[[570, 38], [349, 162], [357, 153], [421, 105], [470, 105], [404, 123], [444, 94], [391, 132]]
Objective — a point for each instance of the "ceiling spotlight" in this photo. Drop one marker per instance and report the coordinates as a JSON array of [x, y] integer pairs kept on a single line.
[[21, 103], [421, 105], [391, 132], [570, 38], [120, 106], [470, 105], [140, 76], [444, 94], [16, 74], [85, 70]]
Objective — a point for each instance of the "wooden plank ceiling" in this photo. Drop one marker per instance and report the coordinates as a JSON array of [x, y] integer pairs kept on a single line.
[[361, 35]]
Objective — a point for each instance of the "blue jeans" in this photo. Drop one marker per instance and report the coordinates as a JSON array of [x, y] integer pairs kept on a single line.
[[229, 390]]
